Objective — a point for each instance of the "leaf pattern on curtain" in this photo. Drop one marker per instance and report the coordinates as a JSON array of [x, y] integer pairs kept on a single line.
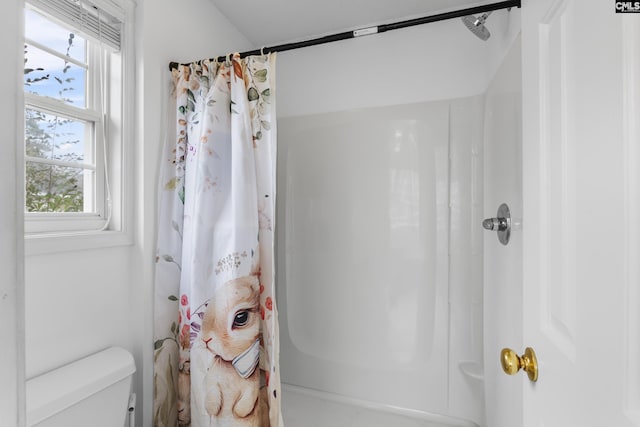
[[216, 339]]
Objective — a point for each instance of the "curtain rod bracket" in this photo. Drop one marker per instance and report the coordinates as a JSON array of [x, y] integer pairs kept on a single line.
[[365, 31]]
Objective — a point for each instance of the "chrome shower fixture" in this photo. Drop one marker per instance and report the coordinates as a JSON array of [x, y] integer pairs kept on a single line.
[[476, 25]]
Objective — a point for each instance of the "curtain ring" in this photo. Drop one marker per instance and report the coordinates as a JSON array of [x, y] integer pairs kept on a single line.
[[262, 51], [228, 59]]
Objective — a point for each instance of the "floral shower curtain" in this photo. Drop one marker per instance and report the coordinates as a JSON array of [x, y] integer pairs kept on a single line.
[[216, 328]]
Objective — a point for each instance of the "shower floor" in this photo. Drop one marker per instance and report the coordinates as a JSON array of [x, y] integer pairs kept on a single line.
[[302, 407]]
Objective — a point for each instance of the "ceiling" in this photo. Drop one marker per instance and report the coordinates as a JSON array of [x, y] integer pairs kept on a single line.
[[271, 22]]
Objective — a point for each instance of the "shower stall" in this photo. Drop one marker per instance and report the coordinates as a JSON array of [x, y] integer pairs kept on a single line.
[[379, 239], [381, 275]]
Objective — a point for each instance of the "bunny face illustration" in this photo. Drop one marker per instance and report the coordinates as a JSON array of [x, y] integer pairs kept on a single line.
[[231, 323]]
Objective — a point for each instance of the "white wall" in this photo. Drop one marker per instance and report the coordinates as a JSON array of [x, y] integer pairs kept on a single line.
[[11, 247], [77, 303], [442, 60], [168, 31]]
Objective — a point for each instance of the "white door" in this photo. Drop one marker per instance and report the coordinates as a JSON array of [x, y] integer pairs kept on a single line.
[[581, 214]]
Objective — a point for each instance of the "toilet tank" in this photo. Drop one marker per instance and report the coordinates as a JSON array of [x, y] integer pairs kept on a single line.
[[93, 391]]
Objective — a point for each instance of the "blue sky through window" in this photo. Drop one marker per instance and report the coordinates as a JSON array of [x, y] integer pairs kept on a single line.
[[66, 80], [58, 79]]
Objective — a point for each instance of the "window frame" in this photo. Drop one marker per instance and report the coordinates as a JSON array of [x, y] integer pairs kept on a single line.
[[109, 224]]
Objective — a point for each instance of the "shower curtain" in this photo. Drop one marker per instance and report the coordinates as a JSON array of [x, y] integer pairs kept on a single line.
[[215, 327]]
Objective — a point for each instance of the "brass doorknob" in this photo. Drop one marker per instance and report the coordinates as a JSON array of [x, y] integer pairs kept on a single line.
[[512, 363]]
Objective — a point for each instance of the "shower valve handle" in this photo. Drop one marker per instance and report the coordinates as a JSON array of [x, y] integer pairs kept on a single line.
[[501, 223], [497, 224]]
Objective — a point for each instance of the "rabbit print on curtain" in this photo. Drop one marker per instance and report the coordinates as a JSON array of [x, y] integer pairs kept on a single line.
[[216, 325]]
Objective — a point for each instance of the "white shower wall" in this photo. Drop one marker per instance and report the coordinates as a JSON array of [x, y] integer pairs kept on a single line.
[[379, 289]]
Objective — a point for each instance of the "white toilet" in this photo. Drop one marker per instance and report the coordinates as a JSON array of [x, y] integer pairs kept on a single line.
[[93, 391]]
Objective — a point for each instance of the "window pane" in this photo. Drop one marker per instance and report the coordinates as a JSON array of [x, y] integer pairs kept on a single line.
[[45, 31], [54, 137], [53, 75], [48, 75], [51, 188]]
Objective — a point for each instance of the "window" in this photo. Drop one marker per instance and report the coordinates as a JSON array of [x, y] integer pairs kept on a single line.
[[77, 69]]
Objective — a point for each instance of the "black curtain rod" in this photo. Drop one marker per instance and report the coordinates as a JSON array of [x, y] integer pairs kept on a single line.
[[374, 29]]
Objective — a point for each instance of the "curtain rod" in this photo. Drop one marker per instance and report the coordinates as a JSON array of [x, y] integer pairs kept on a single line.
[[373, 30]]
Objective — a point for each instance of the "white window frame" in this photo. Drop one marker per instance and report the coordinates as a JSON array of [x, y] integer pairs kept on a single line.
[[107, 225]]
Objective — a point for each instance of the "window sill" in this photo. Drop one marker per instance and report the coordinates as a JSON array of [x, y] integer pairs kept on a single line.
[[48, 243]]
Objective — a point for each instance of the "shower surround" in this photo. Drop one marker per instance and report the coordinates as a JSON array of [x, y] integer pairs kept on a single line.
[[379, 237], [380, 268]]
